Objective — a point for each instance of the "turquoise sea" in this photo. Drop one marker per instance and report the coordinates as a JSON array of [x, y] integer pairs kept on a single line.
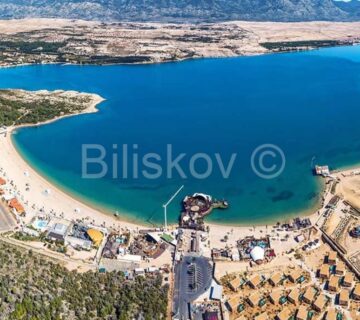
[[305, 103]]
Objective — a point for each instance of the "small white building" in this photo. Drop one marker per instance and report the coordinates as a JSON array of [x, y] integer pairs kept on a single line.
[[139, 271], [216, 291], [322, 170], [30, 232], [78, 243], [204, 196], [129, 258], [155, 236], [257, 254], [58, 232], [7, 196], [235, 256], [152, 270]]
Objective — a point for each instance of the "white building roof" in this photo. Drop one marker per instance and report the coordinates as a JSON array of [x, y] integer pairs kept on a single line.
[[155, 236], [216, 291], [203, 195], [73, 241], [59, 228], [139, 270], [129, 257], [30, 232], [152, 269], [257, 253], [8, 197]]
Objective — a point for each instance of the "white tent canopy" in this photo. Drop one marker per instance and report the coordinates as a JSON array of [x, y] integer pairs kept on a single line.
[[257, 254]]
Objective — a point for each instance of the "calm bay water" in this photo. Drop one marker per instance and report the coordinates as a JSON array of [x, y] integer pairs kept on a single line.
[[305, 103]]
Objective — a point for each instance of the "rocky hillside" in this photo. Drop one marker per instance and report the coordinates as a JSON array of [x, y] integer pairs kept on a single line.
[[351, 7], [182, 10]]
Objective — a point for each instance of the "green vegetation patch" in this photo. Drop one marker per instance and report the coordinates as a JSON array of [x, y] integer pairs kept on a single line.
[[32, 287], [29, 47], [17, 109], [295, 45]]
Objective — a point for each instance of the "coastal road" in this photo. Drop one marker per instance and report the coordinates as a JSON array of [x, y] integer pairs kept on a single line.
[[7, 222]]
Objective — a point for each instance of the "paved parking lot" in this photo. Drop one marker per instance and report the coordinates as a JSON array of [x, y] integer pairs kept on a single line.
[[7, 222], [193, 276]]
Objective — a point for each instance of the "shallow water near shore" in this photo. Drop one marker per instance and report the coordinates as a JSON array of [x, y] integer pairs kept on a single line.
[[305, 103]]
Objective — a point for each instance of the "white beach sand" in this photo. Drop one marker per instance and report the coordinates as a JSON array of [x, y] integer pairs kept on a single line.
[[349, 186], [15, 169], [22, 174]]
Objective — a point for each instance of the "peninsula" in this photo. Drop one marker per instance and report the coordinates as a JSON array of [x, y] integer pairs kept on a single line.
[[20, 107]]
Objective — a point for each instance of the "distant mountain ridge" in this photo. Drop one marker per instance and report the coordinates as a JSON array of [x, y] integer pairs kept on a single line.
[[351, 7], [183, 10]]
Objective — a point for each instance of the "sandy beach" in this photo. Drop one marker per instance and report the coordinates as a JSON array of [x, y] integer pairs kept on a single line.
[[17, 170], [22, 175], [349, 186], [38, 194]]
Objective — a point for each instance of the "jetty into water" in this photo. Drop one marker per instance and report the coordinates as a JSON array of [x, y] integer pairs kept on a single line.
[[197, 207], [322, 170]]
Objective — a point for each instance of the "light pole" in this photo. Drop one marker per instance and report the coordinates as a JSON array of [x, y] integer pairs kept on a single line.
[[167, 203]]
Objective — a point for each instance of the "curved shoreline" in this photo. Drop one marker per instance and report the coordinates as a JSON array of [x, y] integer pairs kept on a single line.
[[67, 203], [69, 200], [66, 198], [69, 194], [73, 200], [123, 217], [14, 166], [92, 108]]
